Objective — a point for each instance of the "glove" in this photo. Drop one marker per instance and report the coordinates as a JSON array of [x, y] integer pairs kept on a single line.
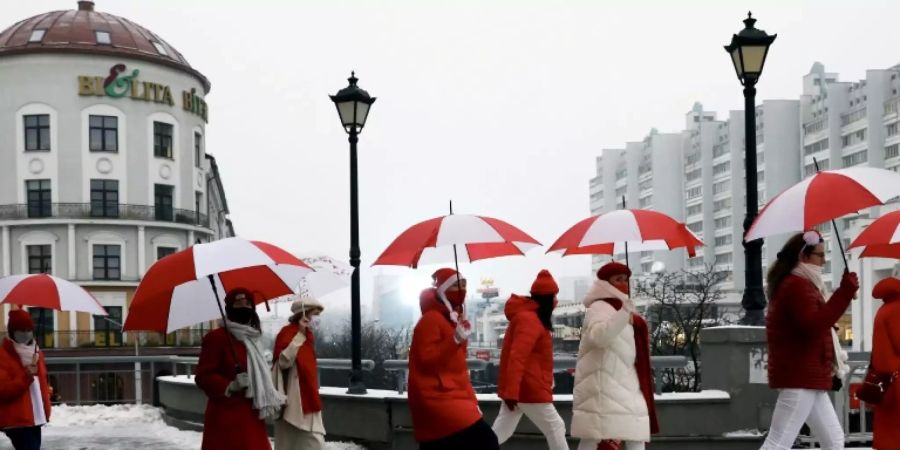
[[462, 332], [511, 404], [850, 281], [240, 382]]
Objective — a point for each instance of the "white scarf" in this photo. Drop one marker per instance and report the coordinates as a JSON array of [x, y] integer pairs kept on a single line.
[[262, 390], [603, 289], [28, 353], [813, 274]]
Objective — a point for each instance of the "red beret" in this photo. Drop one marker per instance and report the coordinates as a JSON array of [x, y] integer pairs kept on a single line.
[[611, 269], [19, 320]]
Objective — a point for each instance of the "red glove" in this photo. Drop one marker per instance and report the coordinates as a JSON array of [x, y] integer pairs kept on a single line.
[[511, 404], [850, 281]]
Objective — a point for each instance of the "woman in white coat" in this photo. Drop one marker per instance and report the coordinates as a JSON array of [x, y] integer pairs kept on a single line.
[[613, 397]]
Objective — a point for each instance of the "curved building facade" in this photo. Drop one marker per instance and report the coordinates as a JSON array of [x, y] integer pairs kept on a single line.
[[103, 163]]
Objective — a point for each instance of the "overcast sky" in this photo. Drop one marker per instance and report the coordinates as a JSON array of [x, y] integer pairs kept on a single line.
[[500, 106]]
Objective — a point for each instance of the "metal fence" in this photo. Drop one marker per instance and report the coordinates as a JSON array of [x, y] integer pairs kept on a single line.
[[106, 338], [100, 210]]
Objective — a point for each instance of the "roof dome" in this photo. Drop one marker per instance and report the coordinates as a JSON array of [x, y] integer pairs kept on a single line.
[[87, 31]]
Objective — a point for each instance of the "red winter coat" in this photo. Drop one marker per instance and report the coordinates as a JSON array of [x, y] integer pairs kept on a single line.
[[307, 371], [526, 363], [798, 328], [441, 398], [15, 386], [886, 359], [230, 423]]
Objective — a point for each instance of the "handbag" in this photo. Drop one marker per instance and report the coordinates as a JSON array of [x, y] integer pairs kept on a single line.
[[874, 386]]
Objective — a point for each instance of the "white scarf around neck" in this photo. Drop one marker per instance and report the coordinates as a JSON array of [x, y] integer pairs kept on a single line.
[[266, 398], [603, 289], [28, 353]]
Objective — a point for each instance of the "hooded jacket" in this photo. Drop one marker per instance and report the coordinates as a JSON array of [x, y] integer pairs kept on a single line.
[[886, 359], [526, 362], [16, 407]]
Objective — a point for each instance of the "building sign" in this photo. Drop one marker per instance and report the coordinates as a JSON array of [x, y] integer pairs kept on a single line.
[[120, 83]]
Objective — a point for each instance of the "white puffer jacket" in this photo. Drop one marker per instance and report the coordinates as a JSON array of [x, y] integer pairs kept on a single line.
[[607, 402]]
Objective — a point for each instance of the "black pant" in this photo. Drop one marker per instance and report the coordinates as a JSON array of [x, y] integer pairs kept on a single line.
[[479, 436], [27, 438]]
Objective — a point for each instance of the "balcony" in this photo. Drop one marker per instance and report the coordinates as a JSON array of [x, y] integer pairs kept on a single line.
[[100, 212], [113, 338]]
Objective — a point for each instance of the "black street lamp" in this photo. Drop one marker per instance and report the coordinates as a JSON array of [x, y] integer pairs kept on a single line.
[[353, 106], [748, 50]]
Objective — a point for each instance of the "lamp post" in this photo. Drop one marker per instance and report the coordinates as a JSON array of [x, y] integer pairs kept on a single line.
[[353, 106], [748, 50]]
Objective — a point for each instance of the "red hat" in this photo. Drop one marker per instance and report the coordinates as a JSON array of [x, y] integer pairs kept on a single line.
[[544, 284], [19, 320], [611, 269], [442, 275], [238, 293]]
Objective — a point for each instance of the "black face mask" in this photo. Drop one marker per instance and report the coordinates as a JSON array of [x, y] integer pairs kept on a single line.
[[240, 315]]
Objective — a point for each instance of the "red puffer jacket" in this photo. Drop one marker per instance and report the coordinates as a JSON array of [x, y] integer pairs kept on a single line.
[[798, 328], [15, 388], [441, 399], [886, 359], [526, 364]]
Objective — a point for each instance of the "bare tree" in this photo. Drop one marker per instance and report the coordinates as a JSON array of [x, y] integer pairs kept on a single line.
[[680, 305], [378, 344]]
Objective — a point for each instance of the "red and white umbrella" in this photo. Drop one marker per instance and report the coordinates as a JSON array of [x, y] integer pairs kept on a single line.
[[625, 229], [472, 238], [177, 290], [881, 239], [47, 291], [822, 197]]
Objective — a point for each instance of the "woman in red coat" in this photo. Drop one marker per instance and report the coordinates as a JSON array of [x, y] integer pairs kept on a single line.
[[240, 393], [444, 410], [886, 359], [526, 365], [804, 358], [24, 393]]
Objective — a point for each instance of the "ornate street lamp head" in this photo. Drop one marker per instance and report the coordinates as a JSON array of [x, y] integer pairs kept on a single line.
[[748, 50], [353, 105]]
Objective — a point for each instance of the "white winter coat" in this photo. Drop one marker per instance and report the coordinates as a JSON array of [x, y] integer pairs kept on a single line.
[[608, 403]]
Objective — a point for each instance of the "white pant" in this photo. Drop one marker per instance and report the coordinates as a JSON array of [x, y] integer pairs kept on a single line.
[[796, 406], [587, 444], [543, 415]]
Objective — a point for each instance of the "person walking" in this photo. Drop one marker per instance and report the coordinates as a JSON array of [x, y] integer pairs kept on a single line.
[[886, 360], [445, 413], [525, 384], [805, 359], [24, 391], [613, 399], [237, 379], [296, 376]]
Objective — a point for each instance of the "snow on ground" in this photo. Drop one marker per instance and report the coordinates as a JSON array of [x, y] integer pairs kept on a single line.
[[121, 427]]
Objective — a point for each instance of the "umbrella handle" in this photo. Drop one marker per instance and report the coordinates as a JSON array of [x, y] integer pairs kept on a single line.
[[237, 366]]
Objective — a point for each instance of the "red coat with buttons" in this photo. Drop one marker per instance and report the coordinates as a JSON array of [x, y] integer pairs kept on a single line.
[[526, 362], [441, 399], [15, 386], [230, 422], [886, 359], [798, 328]]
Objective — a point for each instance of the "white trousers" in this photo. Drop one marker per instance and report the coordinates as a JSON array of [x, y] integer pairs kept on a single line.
[[796, 406], [543, 415], [587, 444]]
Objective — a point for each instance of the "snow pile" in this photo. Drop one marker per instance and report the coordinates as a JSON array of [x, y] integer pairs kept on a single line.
[[743, 433], [121, 427]]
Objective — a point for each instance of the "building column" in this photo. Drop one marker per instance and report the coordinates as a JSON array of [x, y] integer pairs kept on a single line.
[[72, 272], [7, 252], [191, 238], [142, 251]]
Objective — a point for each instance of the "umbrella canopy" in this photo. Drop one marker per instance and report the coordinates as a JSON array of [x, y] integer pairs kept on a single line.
[[176, 291], [472, 238], [881, 239], [640, 230], [47, 291], [822, 197]]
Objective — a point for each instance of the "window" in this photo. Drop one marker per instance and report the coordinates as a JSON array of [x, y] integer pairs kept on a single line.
[[108, 329], [162, 252], [855, 158], [693, 175], [892, 129], [162, 195], [38, 198], [720, 150], [694, 192], [104, 198], [198, 205], [723, 240], [692, 158], [646, 184], [37, 35], [723, 222], [721, 187], [104, 133], [160, 48], [43, 326], [620, 173], [107, 262], [644, 202], [620, 191], [891, 151], [162, 140], [37, 132], [720, 205], [724, 258], [811, 167], [40, 259], [103, 37], [816, 147], [854, 138], [722, 168], [695, 209], [696, 227], [198, 150], [695, 262], [645, 267]]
